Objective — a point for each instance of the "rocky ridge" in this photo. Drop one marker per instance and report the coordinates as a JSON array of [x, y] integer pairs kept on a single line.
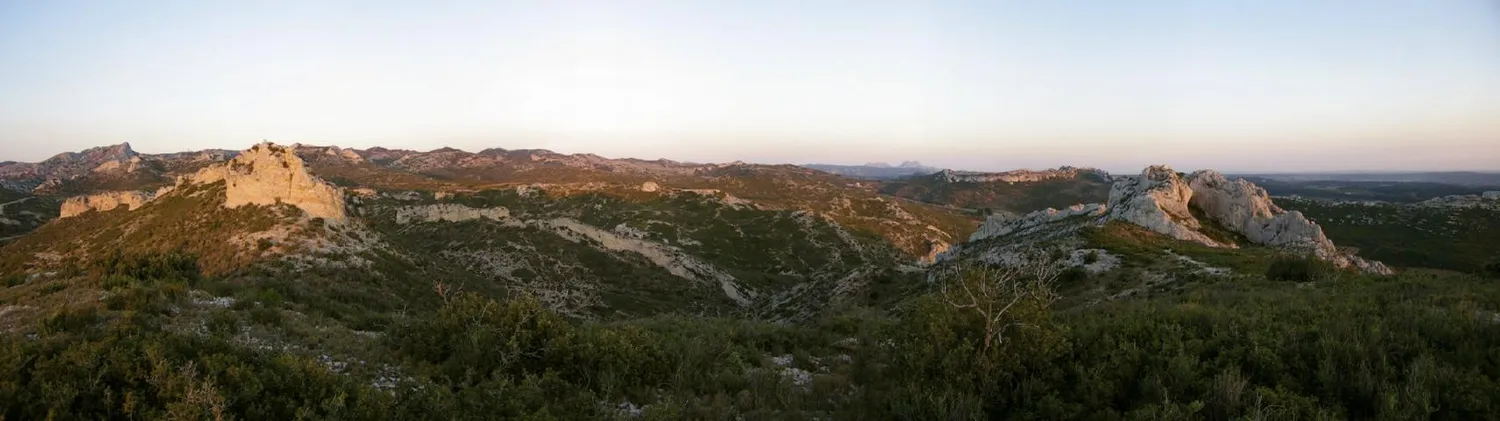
[[1020, 176], [1162, 200]]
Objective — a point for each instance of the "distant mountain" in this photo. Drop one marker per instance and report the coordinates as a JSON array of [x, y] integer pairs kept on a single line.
[[876, 170], [1462, 178]]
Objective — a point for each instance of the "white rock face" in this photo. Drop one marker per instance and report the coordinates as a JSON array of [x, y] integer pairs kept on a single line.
[[267, 174], [1491, 195], [650, 186], [1158, 200], [998, 225], [448, 212], [104, 202]]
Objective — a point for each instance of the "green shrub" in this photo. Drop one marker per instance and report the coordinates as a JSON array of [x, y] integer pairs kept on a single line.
[[1299, 269]]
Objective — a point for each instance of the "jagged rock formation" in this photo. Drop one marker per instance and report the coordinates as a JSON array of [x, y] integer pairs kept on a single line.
[[1158, 200], [448, 212], [104, 202], [267, 174], [1162, 200], [1245, 208], [999, 225]]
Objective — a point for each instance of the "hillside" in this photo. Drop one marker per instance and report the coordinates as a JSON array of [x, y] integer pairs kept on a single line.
[[331, 283], [1018, 191]]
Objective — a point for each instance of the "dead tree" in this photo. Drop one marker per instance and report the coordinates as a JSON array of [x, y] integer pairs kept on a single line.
[[993, 291]]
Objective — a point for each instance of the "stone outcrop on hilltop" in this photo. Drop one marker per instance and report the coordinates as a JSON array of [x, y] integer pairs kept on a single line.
[[1245, 208], [1158, 200], [1162, 200], [268, 174], [104, 202]]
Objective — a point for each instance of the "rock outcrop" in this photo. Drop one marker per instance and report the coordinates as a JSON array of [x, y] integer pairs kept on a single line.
[[267, 174], [104, 202], [448, 212], [1158, 200], [1163, 201], [999, 226]]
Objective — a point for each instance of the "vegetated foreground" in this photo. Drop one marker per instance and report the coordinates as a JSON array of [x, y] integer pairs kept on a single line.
[[1417, 345], [451, 285]]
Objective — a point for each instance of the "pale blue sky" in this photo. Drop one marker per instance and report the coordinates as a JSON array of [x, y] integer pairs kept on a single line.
[[1235, 85]]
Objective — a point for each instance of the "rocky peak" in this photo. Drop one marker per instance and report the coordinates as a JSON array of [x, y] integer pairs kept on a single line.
[[267, 174]]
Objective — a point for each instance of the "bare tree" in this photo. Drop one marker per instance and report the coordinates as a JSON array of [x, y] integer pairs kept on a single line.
[[993, 291]]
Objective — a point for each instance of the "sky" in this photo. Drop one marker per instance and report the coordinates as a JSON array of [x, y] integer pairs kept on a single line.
[[1269, 85]]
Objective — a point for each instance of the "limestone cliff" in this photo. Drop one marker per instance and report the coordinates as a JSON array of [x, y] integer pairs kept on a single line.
[[104, 202], [267, 174]]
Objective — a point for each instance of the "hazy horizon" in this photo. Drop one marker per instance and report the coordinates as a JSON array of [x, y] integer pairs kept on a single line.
[[1275, 86]]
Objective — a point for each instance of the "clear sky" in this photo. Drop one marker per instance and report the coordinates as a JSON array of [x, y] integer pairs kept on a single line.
[[1268, 85]]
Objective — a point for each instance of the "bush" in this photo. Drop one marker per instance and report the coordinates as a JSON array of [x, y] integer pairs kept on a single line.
[[1299, 269], [1493, 268]]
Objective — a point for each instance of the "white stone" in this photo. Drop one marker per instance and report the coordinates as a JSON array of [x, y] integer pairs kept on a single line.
[[650, 187]]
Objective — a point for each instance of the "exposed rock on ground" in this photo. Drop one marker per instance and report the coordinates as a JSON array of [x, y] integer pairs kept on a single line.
[[997, 226]]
